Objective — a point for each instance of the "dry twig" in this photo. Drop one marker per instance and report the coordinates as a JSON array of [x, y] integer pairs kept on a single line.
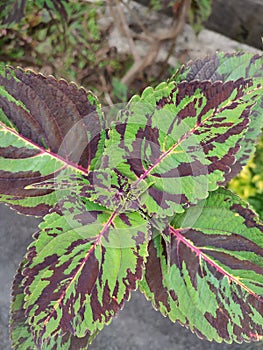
[[122, 25], [153, 50]]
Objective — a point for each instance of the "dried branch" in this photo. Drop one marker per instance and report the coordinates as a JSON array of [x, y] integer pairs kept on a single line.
[[123, 27], [153, 50], [137, 19]]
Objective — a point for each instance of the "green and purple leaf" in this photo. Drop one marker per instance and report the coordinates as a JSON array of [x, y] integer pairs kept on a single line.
[[20, 330], [226, 67], [21, 335], [178, 142], [47, 128], [81, 268], [206, 270], [166, 151], [222, 67]]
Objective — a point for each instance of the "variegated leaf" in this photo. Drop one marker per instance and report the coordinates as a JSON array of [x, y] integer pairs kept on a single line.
[[81, 268], [20, 330], [21, 335], [177, 142], [206, 270], [222, 67], [226, 67], [104, 186], [47, 128]]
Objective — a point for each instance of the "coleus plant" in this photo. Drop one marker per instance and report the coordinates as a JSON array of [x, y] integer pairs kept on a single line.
[[134, 201]]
